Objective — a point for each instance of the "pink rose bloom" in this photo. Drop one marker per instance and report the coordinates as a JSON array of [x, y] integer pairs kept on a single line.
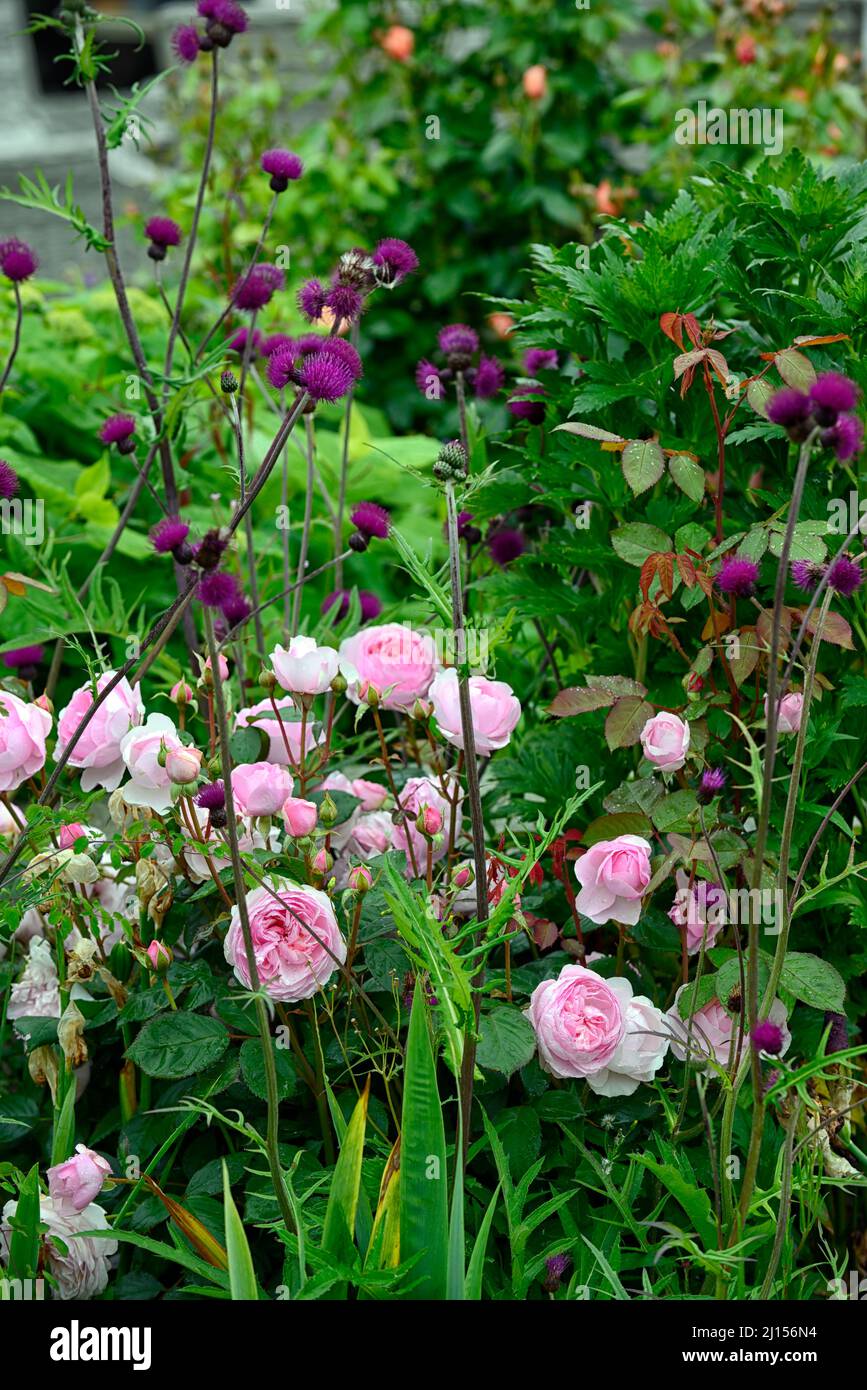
[[702, 907], [292, 963], [23, 730], [642, 1048], [98, 749], [371, 834], [260, 788], [712, 1028], [791, 709], [495, 710], [8, 823], [303, 668], [665, 740], [140, 748], [79, 1264], [299, 816], [613, 875], [397, 661], [418, 792], [75, 1183], [578, 1022], [372, 795], [286, 730]]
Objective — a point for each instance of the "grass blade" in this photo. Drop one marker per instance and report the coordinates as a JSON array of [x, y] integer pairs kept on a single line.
[[424, 1218]]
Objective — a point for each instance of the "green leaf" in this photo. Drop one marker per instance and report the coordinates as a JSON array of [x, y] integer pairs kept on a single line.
[[338, 1231], [694, 1201], [625, 720], [475, 1269], [643, 464], [242, 1276], [635, 541], [688, 475], [248, 745], [24, 1240], [506, 1040], [424, 1222], [178, 1044], [253, 1069], [621, 823], [63, 1138], [814, 981]]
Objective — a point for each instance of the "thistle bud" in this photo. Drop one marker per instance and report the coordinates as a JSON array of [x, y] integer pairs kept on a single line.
[[228, 383]]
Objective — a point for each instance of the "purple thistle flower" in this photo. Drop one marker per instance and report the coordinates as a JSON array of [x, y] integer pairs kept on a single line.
[[163, 231], [488, 377], [23, 657], [846, 438], [216, 589], [737, 575], [281, 366], [18, 261], [312, 342], [788, 407], [311, 300], [526, 405], [371, 519], [283, 166], [467, 531], [237, 609], [393, 260], [371, 607], [340, 348], [845, 575], [9, 482], [806, 574], [254, 290], [838, 1038], [119, 430], [711, 784], [345, 302], [185, 42], [457, 340], [225, 19], [830, 395], [239, 342], [539, 360], [212, 797], [325, 376], [556, 1267], [506, 545], [275, 342], [767, 1037], [169, 534], [429, 380]]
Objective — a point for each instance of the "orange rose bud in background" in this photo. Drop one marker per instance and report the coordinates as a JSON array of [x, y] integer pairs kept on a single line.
[[535, 82], [398, 42], [501, 324]]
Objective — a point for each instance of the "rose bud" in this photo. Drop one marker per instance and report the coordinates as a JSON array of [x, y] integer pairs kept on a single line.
[[429, 821], [160, 956], [70, 834], [360, 878], [299, 816], [183, 765]]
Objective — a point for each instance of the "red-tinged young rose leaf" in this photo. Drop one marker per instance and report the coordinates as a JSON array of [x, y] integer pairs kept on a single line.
[[796, 370], [625, 721], [835, 629], [577, 700]]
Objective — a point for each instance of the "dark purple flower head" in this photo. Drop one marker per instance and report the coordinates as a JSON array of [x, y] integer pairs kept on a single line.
[[185, 42], [845, 575], [236, 609], [217, 588], [119, 430], [283, 166], [737, 575], [209, 551], [788, 407], [488, 377], [224, 18], [325, 376], [356, 268], [18, 261], [371, 607], [345, 302], [767, 1037], [528, 404], [838, 1038], [239, 342], [254, 290], [806, 574], [830, 395], [371, 519], [340, 348], [212, 797], [9, 483], [393, 260], [281, 367], [274, 342], [311, 300], [556, 1266], [457, 340], [710, 785], [23, 657], [169, 534], [539, 360], [163, 231], [506, 545], [429, 380], [846, 438]]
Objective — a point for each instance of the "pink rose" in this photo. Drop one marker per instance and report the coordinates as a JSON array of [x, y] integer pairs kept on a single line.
[[183, 765], [98, 749], [280, 732], [701, 908], [23, 730], [791, 709], [642, 1048], [578, 1022], [260, 788], [141, 749], [79, 1263], [397, 661], [160, 956], [665, 740], [299, 816], [371, 794], [181, 693], [429, 821], [360, 879], [75, 1183], [371, 834], [712, 1027], [303, 668], [613, 875], [495, 710], [417, 792], [292, 961], [70, 834], [535, 82]]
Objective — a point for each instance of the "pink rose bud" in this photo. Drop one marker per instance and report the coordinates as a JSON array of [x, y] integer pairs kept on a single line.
[[464, 877], [70, 833], [181, 693], [160, 956], [44, 703], [665, 740], [299, 816], [322, 861], [74, 1184], [791, 709], [398, 42], [183, 765], [429, 821], [360, 878], [535, 82]]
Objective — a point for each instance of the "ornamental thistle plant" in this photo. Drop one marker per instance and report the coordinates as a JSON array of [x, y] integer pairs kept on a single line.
[[429, 865]]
